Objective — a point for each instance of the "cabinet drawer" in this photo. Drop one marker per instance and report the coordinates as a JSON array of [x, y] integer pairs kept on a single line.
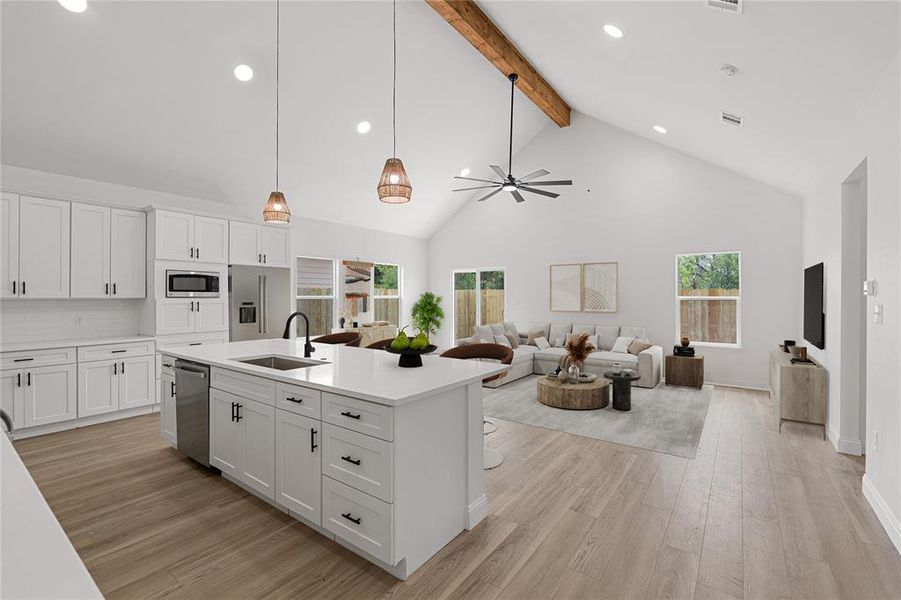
[[167, 365], [360, 461], [298, 400], [37, 358], [246, 386], [194, 339], [358, 519], [118, 351], [366, 417]]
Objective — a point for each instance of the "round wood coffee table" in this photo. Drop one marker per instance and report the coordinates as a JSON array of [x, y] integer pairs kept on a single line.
[[574, 396]]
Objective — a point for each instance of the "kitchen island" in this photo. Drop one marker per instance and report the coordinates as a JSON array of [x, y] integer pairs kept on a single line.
[[387, 461]]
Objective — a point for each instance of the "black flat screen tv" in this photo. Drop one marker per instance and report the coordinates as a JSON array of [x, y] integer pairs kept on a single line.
[[814, 316]]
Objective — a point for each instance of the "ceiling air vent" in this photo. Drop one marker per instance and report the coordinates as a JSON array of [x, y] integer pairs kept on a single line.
[[732, 6], [731, 119]]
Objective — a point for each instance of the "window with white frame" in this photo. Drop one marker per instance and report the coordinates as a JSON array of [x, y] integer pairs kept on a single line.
[[316, 292], [708, 298], [479, 299], [386, 293]]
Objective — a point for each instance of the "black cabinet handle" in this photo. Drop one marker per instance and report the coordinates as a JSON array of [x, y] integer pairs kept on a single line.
[[350, 415], [196, 344], [238, 407], [22, 359], [313, 444], [107, 290], [351, 460], [121, 351], [233, 411], [114, 289], [115, 368], [192, 251], [28, 378], [123, 367], [264, 259], [352, 519], [172, 391], [167, 365], [198, 306], [14, 288], [297, 400], [192, 306], [197, 252], [18, 380], [23, 287]]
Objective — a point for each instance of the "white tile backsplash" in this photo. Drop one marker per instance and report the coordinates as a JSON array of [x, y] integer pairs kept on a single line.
[[30, 320]]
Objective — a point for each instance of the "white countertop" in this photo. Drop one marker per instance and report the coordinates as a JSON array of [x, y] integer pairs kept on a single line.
[[36, 558], [360, 372], [46, 344]]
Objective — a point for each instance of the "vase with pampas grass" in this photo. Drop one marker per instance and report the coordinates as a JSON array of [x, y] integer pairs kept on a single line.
[[578, 348]]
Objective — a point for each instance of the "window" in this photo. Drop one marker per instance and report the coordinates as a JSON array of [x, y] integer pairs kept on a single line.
[[386, 301], [479, 299], [708, 298], [316, 294]]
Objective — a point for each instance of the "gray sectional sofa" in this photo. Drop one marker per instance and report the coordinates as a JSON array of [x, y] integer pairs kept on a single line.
[[529, 359]]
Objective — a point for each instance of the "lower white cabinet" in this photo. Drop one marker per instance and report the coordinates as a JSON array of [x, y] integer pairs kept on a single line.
[[242, 440], [167, 409], [111, 385], [137, 382], [298, 467], [12, 396], [359, 519], [50, 395]]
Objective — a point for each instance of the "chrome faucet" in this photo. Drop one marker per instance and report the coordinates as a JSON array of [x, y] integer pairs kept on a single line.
[[308, 348]]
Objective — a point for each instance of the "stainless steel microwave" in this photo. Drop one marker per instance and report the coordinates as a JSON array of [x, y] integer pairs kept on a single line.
[[192, 284]]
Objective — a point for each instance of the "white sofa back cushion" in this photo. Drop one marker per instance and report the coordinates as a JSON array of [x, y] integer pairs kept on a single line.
[[607, 335], [559, 331], [639, 333], [485, 333]]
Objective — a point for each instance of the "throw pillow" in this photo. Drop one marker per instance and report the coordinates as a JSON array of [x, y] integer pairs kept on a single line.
[[502, 340], [622, 344], [559, 342], [542, 343], [534, 335], [484, 333], [513, 339], [498, 328], [510, 327], [637, 347], [468, 341]]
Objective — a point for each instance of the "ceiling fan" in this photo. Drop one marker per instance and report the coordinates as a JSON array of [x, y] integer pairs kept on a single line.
[[508, 182]]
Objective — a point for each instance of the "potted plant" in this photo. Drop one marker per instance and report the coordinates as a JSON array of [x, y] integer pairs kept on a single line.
[[577, 350], [427, 313]]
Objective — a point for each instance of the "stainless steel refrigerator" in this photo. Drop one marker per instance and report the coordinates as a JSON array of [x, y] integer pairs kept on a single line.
[[259, 302]]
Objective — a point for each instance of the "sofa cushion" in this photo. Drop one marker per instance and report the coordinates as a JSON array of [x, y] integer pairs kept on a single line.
[[559, 331], [485, 334], [544, 328], [510, 327], [560, 342], [553, 353], [502, 340], [622, 344], [607, 335], [607, 357], [497, 328], [589, 329], [513, 339], [639, 333], [592, 339], [541, 343], [473, 339], [524, 354]]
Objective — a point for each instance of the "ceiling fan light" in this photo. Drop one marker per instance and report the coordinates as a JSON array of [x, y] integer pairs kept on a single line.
[[276, 210], [394, 185], [508, 187]]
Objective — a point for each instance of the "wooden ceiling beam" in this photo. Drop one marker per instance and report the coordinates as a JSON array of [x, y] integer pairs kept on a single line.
[[468, 19]]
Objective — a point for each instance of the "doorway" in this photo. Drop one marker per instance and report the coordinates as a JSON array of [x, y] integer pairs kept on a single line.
[[853, 422]]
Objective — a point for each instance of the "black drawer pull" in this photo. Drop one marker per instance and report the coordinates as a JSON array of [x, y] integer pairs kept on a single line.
[[196, 344], [167, 365], [297, 400], [117, 351], [22, 359], [238, 407], [350, 415], [313, 444], [351, 460], [172, 390], [356, 520]]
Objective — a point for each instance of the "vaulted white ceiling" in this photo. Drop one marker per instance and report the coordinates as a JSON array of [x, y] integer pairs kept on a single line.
[[142, 93]]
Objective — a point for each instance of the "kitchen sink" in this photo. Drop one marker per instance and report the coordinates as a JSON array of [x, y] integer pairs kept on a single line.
[[281, 363]]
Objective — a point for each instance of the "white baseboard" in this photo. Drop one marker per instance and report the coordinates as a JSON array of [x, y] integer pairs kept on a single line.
[[736, 386], [850, 446], [889, 521], [21, 434], [476, 511]]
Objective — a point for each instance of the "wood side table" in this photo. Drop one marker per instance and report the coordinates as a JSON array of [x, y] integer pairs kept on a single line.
[[685, 371]]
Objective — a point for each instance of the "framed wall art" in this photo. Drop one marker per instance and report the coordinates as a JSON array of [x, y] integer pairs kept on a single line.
[[566, 287]]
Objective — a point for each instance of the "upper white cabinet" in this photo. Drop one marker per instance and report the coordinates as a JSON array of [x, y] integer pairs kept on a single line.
[[183, 237], [43, 248], [9, 245], [251, 244], [108, 250]]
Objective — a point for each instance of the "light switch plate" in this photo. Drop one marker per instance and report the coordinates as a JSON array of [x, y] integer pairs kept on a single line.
[[877, 314], [869, 287]]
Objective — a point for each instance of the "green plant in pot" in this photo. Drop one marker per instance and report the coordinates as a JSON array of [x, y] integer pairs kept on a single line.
[[428, 314]]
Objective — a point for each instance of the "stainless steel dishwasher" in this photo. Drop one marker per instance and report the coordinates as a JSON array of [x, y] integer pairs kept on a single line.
[[192, 410]]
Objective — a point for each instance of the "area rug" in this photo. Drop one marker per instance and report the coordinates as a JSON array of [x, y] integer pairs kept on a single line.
[[663, 419]]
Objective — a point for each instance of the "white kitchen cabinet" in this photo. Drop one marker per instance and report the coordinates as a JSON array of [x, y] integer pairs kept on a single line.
[[174, 316], [210, 314], [257, 421], [245, 243], [50, 395], [98, 387], [128, 250], [226, 435], [210, 240], [12, 395], [9, 245], [298, 467], [43, 248], [90, 247], [185, 237], [137, 381], [168, 425], [276, 246]]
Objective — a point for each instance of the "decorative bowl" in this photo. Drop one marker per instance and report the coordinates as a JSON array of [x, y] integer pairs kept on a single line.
[[411, 358]]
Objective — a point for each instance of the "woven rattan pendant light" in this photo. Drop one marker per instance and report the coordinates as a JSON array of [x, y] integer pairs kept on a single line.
[[394, 185], [276, 210]]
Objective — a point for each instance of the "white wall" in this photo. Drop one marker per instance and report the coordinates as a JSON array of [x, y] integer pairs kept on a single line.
[[874, 135], [638, 203]]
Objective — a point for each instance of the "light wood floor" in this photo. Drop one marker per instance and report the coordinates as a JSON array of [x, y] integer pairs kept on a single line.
[[755, 515]]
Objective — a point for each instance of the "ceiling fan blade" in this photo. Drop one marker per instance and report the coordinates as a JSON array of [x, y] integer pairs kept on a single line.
[[474, 179], [499, 171], [560, 182], [480, 187], [518, 196], [539, 173], [534, 191], [489, 195]]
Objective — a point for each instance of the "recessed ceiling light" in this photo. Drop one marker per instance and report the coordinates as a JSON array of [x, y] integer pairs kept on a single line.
[[464, 173], [75, 6], [243, 73], [613, 31], [659, 129], [364, 127]]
